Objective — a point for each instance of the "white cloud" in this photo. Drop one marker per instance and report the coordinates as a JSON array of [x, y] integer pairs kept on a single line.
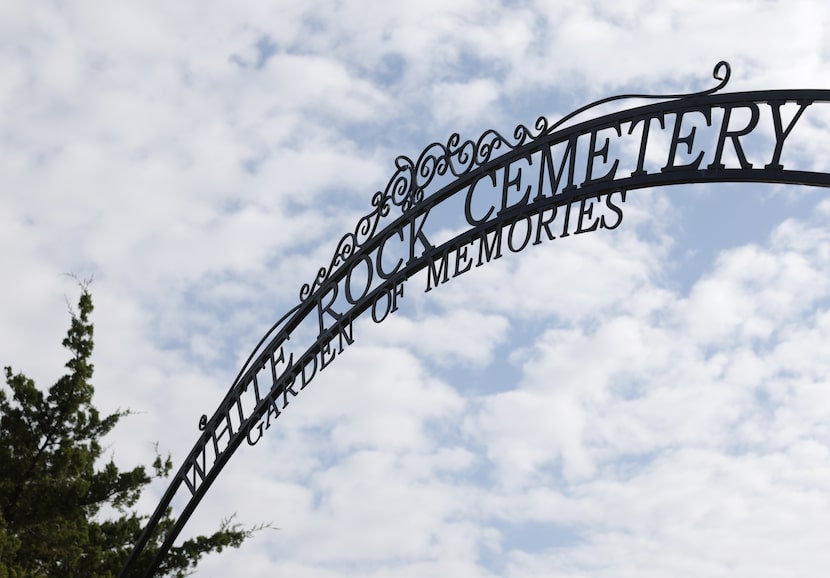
[[457, 336], [457, 103], [660, 434]]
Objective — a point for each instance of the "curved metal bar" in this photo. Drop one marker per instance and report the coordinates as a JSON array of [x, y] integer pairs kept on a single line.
[[467, 161], [257, 347], [722, 65]]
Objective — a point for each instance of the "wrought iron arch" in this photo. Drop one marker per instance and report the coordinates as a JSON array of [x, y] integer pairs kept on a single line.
[[541, 182]]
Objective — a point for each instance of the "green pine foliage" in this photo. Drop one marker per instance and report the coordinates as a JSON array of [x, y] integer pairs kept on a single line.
[[54, 484]]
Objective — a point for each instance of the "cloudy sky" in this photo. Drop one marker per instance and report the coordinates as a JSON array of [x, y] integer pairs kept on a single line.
[[650, 401]]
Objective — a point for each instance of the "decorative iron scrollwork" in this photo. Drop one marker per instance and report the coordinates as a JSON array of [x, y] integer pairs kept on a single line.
[[407, 187]]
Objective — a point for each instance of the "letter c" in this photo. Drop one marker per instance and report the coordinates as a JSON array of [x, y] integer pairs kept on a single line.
[[379, 259], [467, 213]]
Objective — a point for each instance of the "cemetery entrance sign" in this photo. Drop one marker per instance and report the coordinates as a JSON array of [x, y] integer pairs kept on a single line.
[[540, 184]]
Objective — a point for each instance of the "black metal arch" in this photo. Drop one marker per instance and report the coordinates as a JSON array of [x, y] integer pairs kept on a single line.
[[542, 182]]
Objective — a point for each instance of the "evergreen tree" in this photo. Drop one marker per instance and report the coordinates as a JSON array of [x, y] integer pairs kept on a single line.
[[53, 484]]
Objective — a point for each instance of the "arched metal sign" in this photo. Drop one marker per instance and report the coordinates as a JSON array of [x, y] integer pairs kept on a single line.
[[548, 182]]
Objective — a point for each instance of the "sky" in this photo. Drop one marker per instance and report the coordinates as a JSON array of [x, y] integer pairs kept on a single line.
[[647, 401]]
